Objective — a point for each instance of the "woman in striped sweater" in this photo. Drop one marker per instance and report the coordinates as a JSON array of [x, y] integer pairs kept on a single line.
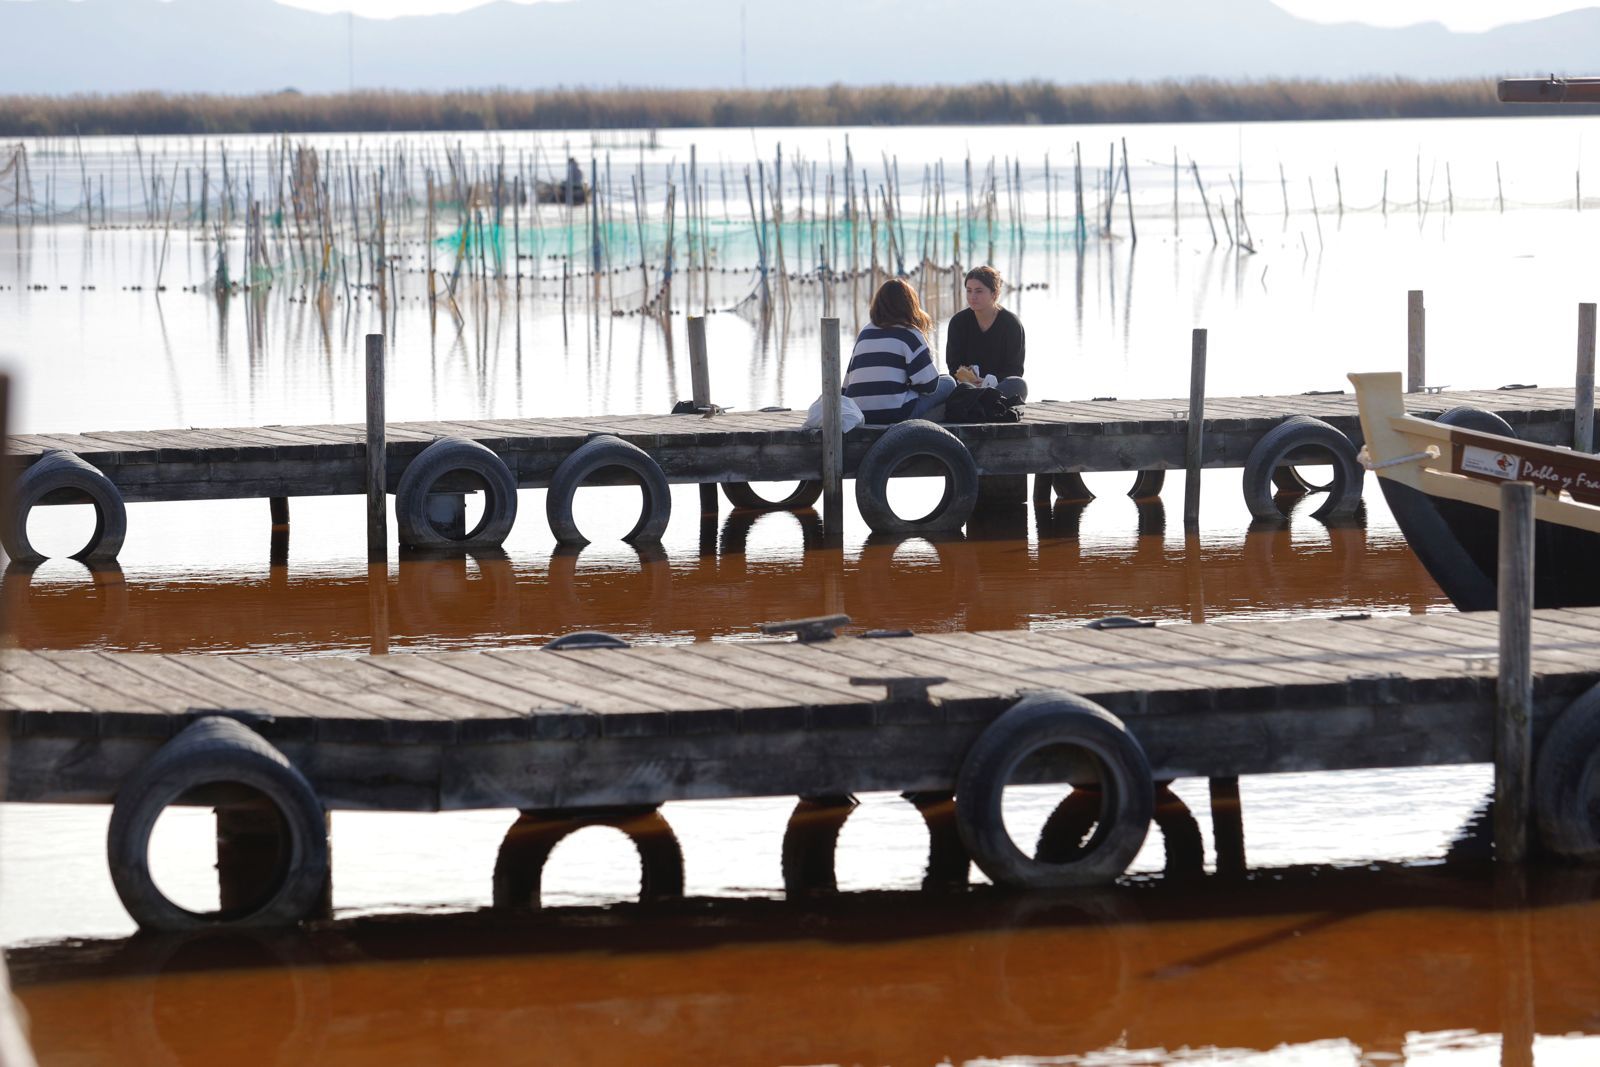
[[892, 376]]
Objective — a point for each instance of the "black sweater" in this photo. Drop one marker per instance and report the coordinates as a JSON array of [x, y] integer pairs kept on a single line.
[[998, 351]]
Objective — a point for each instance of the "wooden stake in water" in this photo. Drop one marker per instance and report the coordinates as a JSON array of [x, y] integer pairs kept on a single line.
[[1204, 202], [700, 383], [1583, 399], [377, 474], [1416, 342], [1127, 188], [832, 433], [1193, 452], [1514, 719], [1499, 189]]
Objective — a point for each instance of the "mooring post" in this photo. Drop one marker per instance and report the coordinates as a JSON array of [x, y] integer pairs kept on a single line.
[[832, 434], [279, 507], [1416, 341], [700, 383], [1227, 825], [1583, 398], [1197, 412], [377, 473], [1514, 704]]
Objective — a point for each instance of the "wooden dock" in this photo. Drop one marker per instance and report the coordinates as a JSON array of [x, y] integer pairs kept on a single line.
[[759, 718], [1090, 435], [590, 732]]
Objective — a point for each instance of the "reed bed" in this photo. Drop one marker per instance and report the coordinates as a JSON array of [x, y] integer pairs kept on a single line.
[[836, 105]]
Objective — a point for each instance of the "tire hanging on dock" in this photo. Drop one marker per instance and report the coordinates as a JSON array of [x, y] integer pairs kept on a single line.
[[1124, 800], [222, 763], [60, 477], [1478, 419], [743, 495], [519, 866], [899, 444], [1302, 439], [461, 457], [597, 454], [1566, 782]]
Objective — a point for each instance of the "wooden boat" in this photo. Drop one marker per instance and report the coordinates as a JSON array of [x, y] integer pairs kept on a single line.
[[1443, 485]]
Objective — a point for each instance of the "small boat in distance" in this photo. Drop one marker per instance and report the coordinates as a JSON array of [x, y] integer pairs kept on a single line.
[[1442, 482]]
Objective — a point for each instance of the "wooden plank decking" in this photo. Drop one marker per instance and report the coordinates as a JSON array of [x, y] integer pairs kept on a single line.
[[194, 464], [541, 729]]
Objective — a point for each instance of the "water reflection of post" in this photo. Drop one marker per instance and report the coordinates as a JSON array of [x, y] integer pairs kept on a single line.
[[378, 605], [1193, 576], [1514, 935]]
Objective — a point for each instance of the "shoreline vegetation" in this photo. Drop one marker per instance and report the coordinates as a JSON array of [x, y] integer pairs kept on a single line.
[[377, 111]]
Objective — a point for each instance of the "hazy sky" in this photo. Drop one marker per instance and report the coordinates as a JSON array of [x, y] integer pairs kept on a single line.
[[1457, 14]]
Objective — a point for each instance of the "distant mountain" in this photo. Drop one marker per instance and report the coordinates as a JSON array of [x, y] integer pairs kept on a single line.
[[251, 46]]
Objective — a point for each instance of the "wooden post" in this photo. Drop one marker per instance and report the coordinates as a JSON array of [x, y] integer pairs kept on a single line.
[[1416, 342], [279, 508], [832, 434], [700, 383], [1197, 409], [1227, 826], [1583, 399], [377, 473], [1513, 722]]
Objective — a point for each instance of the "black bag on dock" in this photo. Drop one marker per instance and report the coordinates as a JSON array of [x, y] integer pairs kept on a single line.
[[971, 404]]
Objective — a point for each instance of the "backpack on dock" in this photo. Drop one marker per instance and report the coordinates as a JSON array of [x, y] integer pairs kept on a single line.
[[971, 404]]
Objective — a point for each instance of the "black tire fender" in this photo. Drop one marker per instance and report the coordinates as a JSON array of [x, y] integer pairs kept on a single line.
[[909, 440], [743, 495], [1566, 781], [597, 454], [1478, 419], [519, 865], [64, 477], [1288, 437], [1127, 792], [449, 455], [216, 751]]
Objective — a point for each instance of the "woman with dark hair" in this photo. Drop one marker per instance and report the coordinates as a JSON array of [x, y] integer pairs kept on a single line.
[[892, 376], [984, 344]]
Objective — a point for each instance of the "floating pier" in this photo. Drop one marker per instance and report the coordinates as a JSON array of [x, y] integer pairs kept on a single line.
[[589, 731], [429, 466]]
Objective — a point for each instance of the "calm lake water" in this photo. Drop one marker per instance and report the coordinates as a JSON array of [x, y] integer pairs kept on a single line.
[[1367, 929]]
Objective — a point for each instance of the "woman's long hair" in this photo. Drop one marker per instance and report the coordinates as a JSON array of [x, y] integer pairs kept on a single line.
[[896, 304]]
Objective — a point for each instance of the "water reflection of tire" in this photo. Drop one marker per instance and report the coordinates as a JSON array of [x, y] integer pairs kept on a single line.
[[907, 594], [735, 535], [519, 866], [437, 596], [105, 597], [289, 1007], [1058, 966], [625, 601]]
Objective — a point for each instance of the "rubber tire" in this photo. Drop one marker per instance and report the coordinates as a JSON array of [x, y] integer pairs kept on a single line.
[[1565, 785], [741, 495], [1070, 488], [596, 454], [1147, 484], [1294, 432], [445, 455], [52, 472], [1477, 420], [212, 750], [903, 441], [1035, 722], [529, 841]]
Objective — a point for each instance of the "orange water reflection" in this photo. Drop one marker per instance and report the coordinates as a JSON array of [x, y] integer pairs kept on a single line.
[[1372, 962], [997, 577]]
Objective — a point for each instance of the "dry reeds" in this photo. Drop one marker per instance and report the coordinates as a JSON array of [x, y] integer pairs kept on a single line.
[[1201, 100]]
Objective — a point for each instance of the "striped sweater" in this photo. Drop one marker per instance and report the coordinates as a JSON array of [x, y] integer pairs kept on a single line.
[[890, 369]]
